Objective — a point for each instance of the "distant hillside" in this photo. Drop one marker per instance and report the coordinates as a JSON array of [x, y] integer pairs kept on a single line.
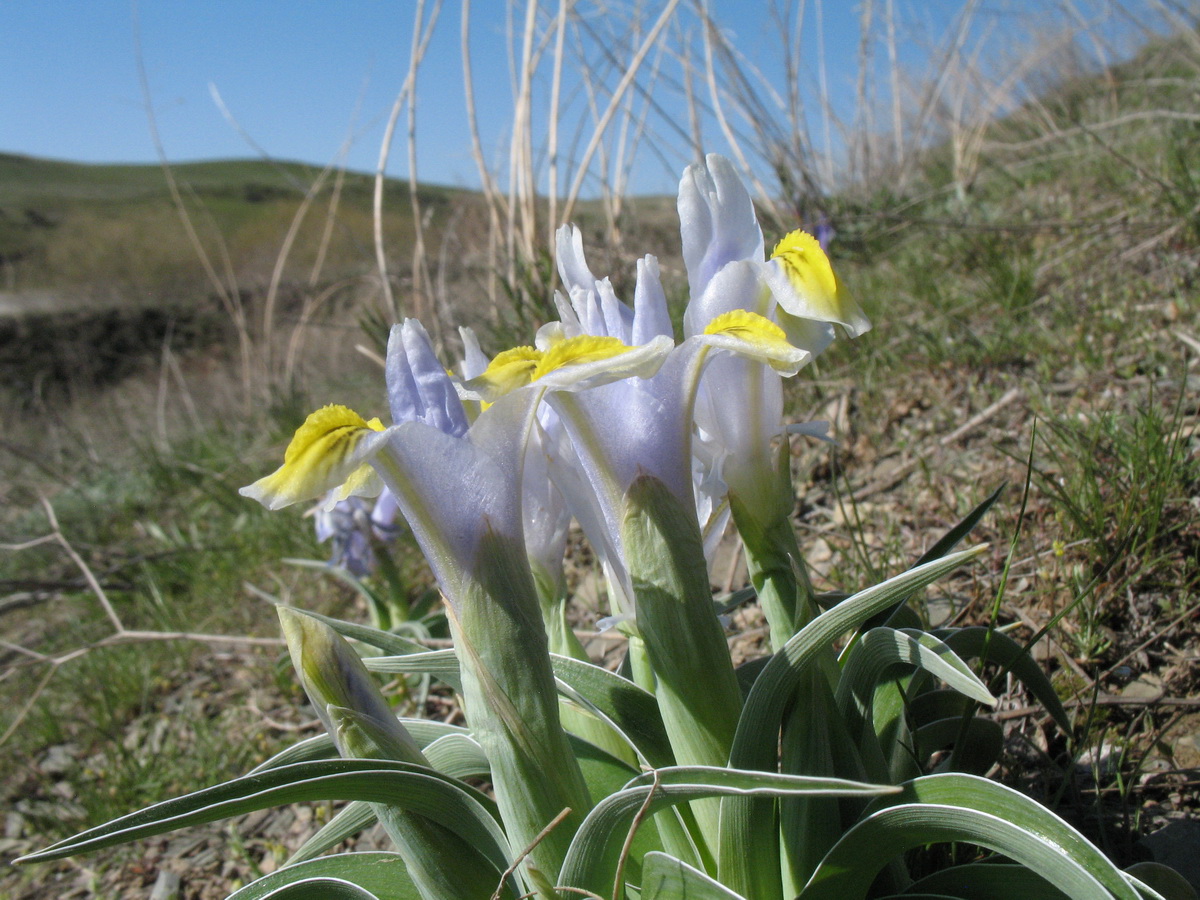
[[66, 224]]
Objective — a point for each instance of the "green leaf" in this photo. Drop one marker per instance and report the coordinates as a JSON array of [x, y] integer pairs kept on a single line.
[[592, 860], [321, 889], [965, 808], [382, 874], [441, 664], [458, 756], [318, 747], [988, 881], [955, 535], [849, 868], [630, 709], [749, 847], [354, 817], [977, 747], [875, 656], [1162, 880], [947, 542], [373, 637], [626, 707], [667, 878], [1012, 657], [459, 808], [423, 731]]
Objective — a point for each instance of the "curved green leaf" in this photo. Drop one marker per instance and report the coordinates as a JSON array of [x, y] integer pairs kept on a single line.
[[1156, 880], [630, 709], [955, 807], [321, 746], [900, 615], [667, 878], [592, 859], [459, 756], [461, 809], [955, 535], [354, 817], [382, 874], [970, 643], [878, 653], [977, 747], [987, 881], [321, 889], [749, 847], [441, 664], [849, 868], [372, 637]]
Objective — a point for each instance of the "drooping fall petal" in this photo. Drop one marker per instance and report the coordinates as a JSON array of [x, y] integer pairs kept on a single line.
[[329, 450]]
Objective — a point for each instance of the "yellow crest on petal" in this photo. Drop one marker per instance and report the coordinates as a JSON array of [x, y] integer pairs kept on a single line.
[[317, 459], [820, 293], [584, 348], [769, 340], [808, 269], [510, 370]]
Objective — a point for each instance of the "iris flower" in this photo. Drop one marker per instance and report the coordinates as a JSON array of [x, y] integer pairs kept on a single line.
[[739, 411]]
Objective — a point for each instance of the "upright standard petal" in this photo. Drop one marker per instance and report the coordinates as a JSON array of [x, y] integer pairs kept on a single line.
[[716, 221], [418, 388]]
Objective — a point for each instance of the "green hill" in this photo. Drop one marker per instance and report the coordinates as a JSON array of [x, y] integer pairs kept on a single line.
[[114, 228]]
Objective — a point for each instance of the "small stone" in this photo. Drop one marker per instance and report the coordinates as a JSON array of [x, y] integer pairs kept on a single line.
[[14, 825], [166, 886], [59, 759], [1145, 687]]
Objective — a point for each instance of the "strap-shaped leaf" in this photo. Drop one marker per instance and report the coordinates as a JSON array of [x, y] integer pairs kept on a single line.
[[630, 709], [955, 535], [382, 874], [977, 746], [987, 881], [373, 637], [882, 650], [627, 707], [849, 868], [459, 756], [1155, 880], [955, 807], [461, 809], [441, 664], [970, 643], [667, 878], [947, 542], [321, 746], [321, 889], [591, 862], [353, 818], [749, 847]]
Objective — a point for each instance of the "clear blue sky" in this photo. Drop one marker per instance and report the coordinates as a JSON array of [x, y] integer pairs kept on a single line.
[[294, 74]]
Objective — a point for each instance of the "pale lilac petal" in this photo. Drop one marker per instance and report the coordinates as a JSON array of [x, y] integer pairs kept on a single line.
[[474, 361], [739, 285], [572, 267], [716, 220], [651, 318], [419, 388]]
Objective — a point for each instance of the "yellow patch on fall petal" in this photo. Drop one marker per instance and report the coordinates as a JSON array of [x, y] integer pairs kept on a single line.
[[510, 370], [811, 276], [316, 460], [768, 339], [584, 348]]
